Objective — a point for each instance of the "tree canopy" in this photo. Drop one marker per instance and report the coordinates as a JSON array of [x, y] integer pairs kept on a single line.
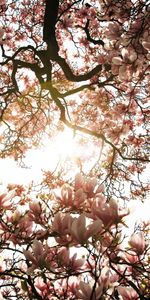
[[82, 65]]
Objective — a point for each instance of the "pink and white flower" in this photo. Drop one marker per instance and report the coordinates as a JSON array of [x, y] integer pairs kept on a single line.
[[137, 242], [127, 293], [86, 292]]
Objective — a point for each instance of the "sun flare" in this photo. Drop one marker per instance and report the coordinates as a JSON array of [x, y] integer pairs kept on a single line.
[[65, 144]]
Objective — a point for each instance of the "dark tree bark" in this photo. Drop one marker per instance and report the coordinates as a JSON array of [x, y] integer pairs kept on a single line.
[[50, 19]]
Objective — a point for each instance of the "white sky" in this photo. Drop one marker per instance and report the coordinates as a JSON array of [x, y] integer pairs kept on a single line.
[[58, 150]]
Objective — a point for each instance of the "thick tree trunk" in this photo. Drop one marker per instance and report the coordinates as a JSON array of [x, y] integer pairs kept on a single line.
[[50, 19]]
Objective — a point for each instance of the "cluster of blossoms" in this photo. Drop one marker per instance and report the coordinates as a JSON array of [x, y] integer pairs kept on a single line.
[[72, 248], [69, 243]]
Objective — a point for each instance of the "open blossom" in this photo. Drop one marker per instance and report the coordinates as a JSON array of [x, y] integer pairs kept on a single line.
[[61, 223], [60, 227], [35, 213], [127, 293], [85, 291], [79, 198], [123, 65], [22, 227], [137, 242], [42, 287], [130, 257], [113, 31], [108, 212], [81, 232], [89, 186], [5, 200], [70, 262], [37, 256], [66, 197]]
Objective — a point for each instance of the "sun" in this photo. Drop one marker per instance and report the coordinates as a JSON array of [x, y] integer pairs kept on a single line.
[[65, 144], [67, 150], [56, 152]]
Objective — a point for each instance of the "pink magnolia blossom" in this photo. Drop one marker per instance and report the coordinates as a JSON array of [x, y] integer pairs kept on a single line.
[[85, 291], [108, 278], [108, 212], [130, 257], [22, 227], [137, 242], [61, 223], [124, 65], [5, 200], [37, 256], [81, 232], [61, 226], [35, 212], [43, 288], [79, 197], [35, 207], [127, 293], [89, 186], [113, 31], [70, 262], [66, 197], [79, 181]]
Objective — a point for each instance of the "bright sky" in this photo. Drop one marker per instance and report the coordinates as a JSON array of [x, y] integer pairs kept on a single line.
[[36, 161], [57, 151]]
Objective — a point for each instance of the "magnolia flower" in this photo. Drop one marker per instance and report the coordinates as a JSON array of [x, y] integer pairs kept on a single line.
[[137, 242], [43, 288], [66, 195], [79, 197], [78, 229], [89, 186], [70, 262], [145, 41], [127, 293], [86, 292], [107, 212], [5, 200], [35, 207], [61, 226], [113, 31], [79, 181], [123, 65], [35, 212], [80, 232], [62, 223], [37, 256], [146, 45]]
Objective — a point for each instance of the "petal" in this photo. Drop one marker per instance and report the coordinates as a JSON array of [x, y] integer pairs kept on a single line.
[[37, 248], [117, 60], [85, 288], [123, 75], [146, 45], [125, 53], [29, 256]]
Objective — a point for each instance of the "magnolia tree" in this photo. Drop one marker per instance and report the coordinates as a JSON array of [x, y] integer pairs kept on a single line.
[[83, 65]]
